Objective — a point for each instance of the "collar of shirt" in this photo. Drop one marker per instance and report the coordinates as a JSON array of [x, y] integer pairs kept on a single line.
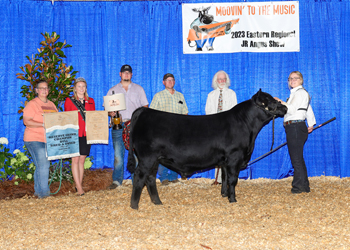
[[168, 92], [223, 90], [120, 85], [296, 88]]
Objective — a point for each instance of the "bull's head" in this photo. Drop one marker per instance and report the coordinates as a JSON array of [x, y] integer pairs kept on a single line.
[[203, 15], [267, 103]]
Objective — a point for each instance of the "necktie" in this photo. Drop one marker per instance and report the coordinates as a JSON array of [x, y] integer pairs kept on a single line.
[[220, 102]]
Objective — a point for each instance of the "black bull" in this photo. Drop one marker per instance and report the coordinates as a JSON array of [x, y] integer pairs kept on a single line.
[[187, 144]]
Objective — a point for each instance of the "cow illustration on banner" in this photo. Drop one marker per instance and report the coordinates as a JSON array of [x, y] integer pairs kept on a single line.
[[204, 29]]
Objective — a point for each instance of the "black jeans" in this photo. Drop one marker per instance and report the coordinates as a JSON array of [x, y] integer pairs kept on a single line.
[[296, 137]]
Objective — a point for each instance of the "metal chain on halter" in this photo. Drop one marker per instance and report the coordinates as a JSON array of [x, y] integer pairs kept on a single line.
[[273, 122], [273, 131]]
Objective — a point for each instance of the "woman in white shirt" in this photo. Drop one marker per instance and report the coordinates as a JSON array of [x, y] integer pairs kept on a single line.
[[299, 109], [215, 104]]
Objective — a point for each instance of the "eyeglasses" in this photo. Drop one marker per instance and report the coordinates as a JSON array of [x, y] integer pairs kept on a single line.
[[169, 80], [293, 78], [220, 80], [44, 89]]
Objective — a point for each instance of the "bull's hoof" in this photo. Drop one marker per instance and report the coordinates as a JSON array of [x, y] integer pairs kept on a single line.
[[232, 200], [157, 202], [224, 195], [134, 206]]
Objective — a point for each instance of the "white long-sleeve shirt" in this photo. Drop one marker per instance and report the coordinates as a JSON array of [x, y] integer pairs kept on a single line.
[[297, 102], [229, 100]]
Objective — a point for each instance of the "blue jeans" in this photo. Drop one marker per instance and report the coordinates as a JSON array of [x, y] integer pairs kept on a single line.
[[166, 174], [119, 150], [42, 164]]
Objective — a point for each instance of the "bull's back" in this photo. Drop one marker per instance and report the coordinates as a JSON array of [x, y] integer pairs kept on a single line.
[[176, 128], [194, 138]]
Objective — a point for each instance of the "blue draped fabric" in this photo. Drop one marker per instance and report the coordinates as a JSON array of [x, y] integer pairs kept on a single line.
[[148, 36]]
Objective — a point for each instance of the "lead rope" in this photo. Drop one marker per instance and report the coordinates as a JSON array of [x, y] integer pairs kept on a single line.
[[59, 167], [273, 131]]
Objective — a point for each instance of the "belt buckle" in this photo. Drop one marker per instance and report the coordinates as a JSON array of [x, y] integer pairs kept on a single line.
[[291, 121], [287, 123]]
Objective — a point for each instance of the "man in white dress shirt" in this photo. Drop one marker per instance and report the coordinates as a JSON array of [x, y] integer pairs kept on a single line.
[[220, 99]]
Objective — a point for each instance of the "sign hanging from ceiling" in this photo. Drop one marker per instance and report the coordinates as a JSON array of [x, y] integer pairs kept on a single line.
[[240, 27]]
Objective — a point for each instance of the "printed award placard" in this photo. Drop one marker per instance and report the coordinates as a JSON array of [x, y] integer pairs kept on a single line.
[[97, 127], [114, 102], [240, 27], [62, 135]]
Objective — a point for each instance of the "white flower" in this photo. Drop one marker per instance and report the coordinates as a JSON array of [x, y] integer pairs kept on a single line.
[[3, 140], [29, 176], [13, 161], [16, 183], [16, 151], [23, 157]]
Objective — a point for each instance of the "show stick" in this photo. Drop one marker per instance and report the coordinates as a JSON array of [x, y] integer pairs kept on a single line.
[[280, 146]]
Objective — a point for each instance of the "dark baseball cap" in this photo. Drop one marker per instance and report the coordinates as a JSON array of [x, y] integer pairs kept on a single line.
[[126, 68], [167, 75]]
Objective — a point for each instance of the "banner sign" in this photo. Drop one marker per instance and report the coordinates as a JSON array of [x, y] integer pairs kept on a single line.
[[97, 129], [240, 27], [62, 138]]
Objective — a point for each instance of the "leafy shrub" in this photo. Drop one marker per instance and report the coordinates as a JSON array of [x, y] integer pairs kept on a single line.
[[18, 165], [48, 64]]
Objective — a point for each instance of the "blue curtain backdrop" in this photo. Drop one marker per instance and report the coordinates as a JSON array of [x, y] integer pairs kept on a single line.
[[148, 36]]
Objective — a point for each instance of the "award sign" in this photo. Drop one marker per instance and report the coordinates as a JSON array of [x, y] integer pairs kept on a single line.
[[114, 102], [62, 135], [97, 127]]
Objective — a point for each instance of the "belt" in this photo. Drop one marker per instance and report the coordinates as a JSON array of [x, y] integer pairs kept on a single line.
[[292, 121]]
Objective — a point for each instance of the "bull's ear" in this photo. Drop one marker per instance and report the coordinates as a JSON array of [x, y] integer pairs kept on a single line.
[[255, 97], [258, 93]]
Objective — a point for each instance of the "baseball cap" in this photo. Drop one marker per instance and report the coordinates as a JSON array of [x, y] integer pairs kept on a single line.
[[167, 75], [126, 68]]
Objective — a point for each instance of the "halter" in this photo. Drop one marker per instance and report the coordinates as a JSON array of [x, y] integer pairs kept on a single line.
[[273, 121]]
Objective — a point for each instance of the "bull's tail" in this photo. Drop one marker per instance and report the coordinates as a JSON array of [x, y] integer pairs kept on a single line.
[[131, 166]]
